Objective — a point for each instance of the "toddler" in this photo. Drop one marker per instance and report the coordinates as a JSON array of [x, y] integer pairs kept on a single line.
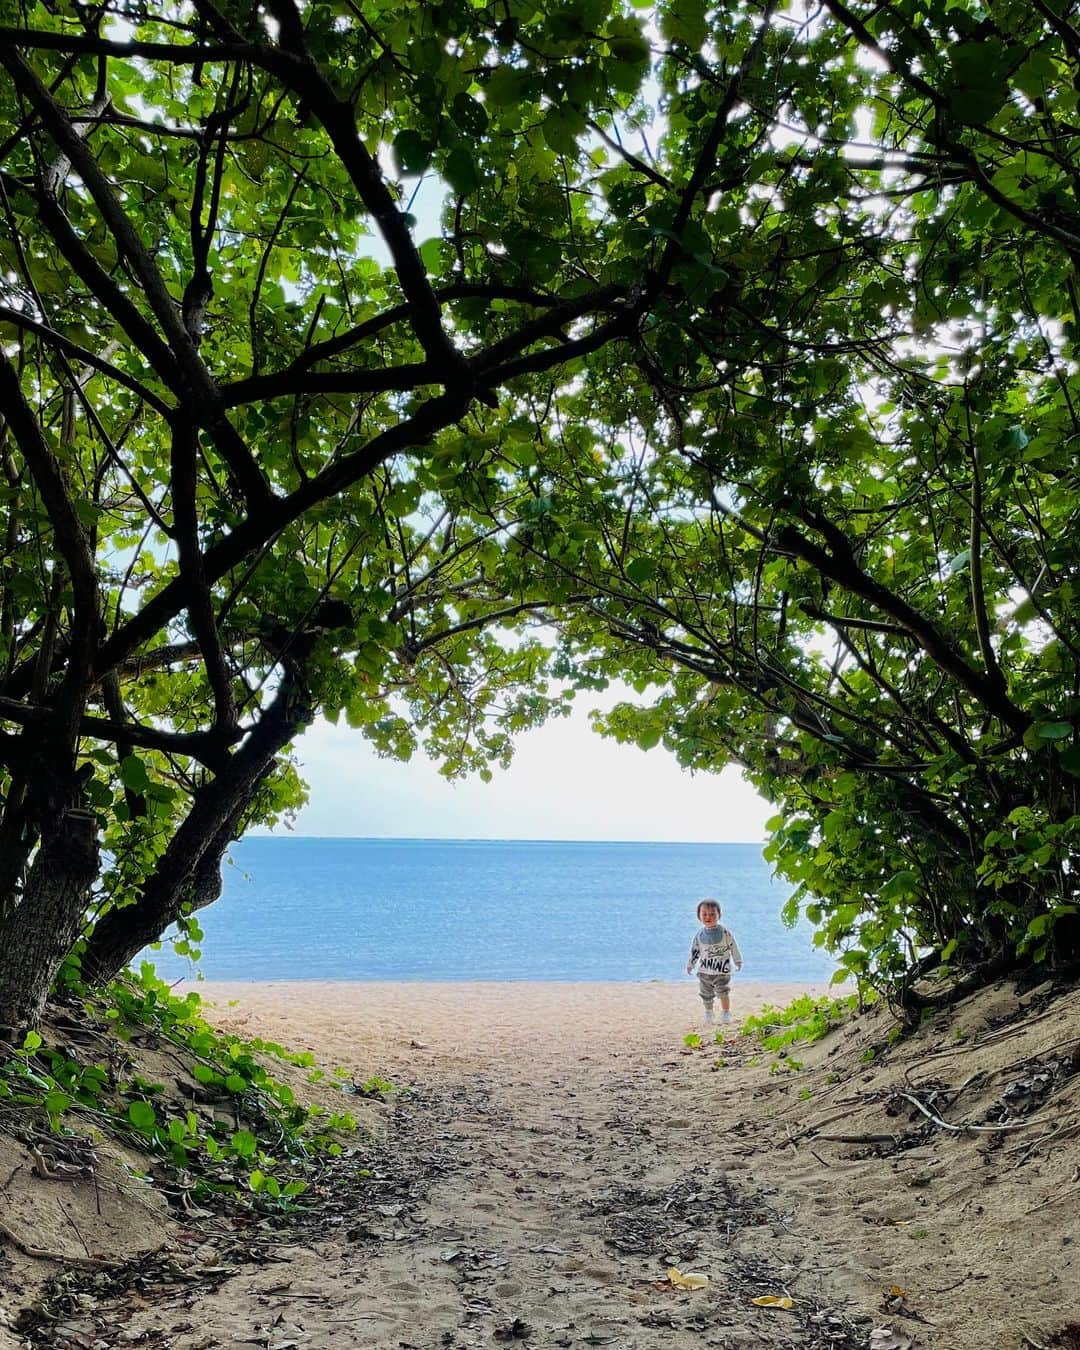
[[713, 951]]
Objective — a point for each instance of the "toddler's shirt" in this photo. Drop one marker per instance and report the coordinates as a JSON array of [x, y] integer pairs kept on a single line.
[[715, 949]]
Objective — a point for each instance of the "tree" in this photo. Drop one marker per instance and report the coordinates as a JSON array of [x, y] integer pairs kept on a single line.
[[838, 514], [250, 471], [772, 409]]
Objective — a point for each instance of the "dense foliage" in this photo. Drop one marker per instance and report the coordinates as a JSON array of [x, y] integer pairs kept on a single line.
[[250, 456], [743, 353], [839, 507]]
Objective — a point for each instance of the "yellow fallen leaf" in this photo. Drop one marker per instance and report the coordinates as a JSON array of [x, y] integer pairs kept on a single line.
[[691, 1280], [774, 1301]]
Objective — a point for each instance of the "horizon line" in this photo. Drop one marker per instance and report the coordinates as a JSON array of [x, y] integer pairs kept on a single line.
[[493, 839]]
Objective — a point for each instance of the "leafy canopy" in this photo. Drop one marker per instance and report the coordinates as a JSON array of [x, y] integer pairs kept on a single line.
[[743, 352]]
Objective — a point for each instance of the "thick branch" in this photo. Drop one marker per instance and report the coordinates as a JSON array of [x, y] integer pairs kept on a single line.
[[305, 78], [372, 380], [214, 818], [100, 284], [179, 54], [208, 747], [81, 354], [331, 347], [192, 572], [70, 539], [840, 566], [260, 527], [706, 159]]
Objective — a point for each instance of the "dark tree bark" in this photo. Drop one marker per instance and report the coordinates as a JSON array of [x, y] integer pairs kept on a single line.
[[42, 928]]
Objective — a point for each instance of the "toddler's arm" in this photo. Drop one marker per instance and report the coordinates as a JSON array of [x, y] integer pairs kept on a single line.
[[695, 952], [736, 955]]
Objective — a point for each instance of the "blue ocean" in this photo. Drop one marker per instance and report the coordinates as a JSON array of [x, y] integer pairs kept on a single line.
[[460, 909]]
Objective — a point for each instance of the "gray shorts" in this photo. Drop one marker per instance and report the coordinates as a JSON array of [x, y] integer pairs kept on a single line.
[[713, 982]]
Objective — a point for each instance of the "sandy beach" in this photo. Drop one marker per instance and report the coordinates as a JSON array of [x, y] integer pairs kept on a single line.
[[423, 1029], [554, 1158], [556, 1148]]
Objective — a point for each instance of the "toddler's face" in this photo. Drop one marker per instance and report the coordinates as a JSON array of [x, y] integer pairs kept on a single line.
[[709, 916]]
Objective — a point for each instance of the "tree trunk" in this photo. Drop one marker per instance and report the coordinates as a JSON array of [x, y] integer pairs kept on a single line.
[[188, 874], [181, 883], [41, 930]]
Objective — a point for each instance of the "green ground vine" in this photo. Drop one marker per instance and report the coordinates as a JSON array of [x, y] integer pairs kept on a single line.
[[224, 1125]]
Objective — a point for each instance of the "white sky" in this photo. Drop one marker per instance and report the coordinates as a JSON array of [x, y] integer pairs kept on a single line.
[[566, 782]]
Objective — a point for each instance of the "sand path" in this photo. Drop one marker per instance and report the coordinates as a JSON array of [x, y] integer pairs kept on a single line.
[[550, 1150], [534, 1186]]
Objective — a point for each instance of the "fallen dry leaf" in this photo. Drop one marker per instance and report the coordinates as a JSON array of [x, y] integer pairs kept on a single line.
[[773, 1301], [894, 1300], [691, 1280]]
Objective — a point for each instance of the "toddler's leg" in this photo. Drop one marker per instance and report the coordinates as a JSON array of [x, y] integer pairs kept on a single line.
[[724, 990], [705, 987]]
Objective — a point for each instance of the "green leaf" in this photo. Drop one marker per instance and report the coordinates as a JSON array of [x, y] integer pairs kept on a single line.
[[1014, 440], [469, 114], [562, 127], [243, 1143], [977, 87], [431, 255], [505, 87], [641, 570], [1053, 731], [133, 774], [234, 1083], [203, 1073], [412, 153], [143, 1116], [976, 105], [461, 172], [900, 885], [31, 1042], [625, 76], [683, 21], [1069, 758], [56, 1102]]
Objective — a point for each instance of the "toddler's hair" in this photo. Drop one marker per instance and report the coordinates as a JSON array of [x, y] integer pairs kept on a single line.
[[714, 904]]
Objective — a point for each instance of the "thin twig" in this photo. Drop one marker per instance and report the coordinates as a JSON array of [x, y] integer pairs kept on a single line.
[[40, 1254], [74, 1226]]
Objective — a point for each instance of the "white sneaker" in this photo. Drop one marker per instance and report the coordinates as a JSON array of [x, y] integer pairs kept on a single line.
[[725, 1017], [708, 1018]]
